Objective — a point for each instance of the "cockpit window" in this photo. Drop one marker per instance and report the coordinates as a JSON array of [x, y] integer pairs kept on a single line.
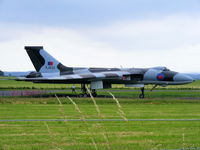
[[166, 69], [162, 68]]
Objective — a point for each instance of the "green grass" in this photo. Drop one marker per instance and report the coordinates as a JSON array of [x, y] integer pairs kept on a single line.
[[107, 135], [133, 94], [12, 84], [174, 104]]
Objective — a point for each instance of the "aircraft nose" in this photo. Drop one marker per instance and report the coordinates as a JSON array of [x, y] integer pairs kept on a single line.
[[179, 77]]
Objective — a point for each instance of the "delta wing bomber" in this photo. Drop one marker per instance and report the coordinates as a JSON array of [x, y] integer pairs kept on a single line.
[[50, 70]]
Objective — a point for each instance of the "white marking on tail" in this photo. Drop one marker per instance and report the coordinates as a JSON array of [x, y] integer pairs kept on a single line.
[[50, 63]]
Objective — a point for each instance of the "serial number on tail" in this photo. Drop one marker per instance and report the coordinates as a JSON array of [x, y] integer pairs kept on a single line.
[[50, 67]]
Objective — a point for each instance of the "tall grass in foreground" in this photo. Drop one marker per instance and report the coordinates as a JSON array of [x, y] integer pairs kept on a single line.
[[84, 120], [120, 111], [61, 110], [99, 114], [121, 134], [104, 133]]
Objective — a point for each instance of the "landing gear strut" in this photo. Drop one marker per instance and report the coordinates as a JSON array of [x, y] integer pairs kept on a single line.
[[85, 92], [142, 94], [94, 92]]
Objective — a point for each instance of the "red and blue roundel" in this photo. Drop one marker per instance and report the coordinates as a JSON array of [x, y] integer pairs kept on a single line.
[[160, 76]]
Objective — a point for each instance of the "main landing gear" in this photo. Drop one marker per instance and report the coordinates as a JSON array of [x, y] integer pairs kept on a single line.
[[94, 93], [85, 92]]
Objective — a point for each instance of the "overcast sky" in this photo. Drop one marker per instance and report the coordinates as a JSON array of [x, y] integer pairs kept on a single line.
[[102, 33]]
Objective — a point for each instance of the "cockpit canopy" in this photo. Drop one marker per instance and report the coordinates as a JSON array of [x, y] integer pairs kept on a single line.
[[161, 68]]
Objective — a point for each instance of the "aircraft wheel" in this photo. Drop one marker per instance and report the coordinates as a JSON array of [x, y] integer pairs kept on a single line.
[[94, 94], [83, 95], [141, 96]]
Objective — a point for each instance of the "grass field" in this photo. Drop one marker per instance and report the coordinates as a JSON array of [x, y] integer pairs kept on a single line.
[[99, 135], [183, 103]]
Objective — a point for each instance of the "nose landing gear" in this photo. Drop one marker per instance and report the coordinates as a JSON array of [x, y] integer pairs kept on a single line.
[[141, 96]]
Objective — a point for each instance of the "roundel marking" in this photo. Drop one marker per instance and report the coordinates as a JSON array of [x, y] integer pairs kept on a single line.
[[160, 76]]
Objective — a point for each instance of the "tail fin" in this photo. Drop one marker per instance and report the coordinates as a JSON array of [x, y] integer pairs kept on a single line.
[[42, 61]]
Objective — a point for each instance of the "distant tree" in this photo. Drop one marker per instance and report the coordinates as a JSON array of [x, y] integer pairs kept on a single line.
[[1, 73]]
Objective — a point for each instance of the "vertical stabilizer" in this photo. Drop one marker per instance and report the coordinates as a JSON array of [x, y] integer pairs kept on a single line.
[[42, 61]]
